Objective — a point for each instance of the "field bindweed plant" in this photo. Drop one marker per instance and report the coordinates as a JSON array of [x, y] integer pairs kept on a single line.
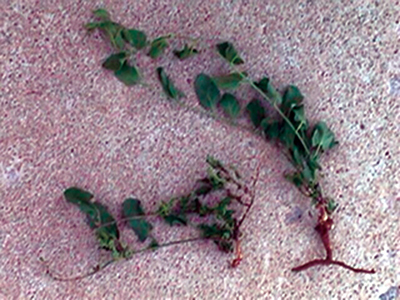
[[302, 143]]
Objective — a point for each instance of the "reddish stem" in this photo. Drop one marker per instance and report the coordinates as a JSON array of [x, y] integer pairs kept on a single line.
[[327, 262], [325, 223]]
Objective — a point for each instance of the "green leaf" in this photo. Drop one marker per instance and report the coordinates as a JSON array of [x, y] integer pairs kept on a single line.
[[158, 46], [231, 81], [176, 219], [133, 208], [135, 38], [207, 91], [256, 111], [271, 129], [168, 86], [104, 217], [82, 199], [331, 206], [216, 181], [287, 136], [291, 98], [213, 162], [93, 25], [154, 244], [228, 51], [96, 212], [78, 196], [299, 120], [101, 13], [295, 178], [165, 208], [322, 137], [230, 105], [129, 75], [221, 208], [115, 61], [114, 33], [297, 157], [118, 39], [186, 52], [268, 89]]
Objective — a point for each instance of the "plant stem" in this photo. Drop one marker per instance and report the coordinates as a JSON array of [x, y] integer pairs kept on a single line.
[[101, 267], [325, 224], [277, 109]]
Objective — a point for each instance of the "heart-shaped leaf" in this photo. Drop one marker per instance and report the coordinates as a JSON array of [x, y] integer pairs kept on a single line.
[[231, 81], [291, 98], [132, 208], [158, 46], [186, 52], [135, 38], [256, 111], [271, 129], [168, 86], [129, 75], [207, 91], [268, 89], [115, 61], [230, 105], [228, 51], [322, 137]]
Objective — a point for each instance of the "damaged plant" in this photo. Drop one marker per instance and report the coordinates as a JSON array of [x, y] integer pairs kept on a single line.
[[302, 143], [216, 207]]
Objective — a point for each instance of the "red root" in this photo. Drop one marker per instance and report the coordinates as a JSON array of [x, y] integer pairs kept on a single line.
[[325, 223]]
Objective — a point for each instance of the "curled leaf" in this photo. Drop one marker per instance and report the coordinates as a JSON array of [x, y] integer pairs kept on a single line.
[[158, 46], [168, 86], [207, 91], [228, 51]]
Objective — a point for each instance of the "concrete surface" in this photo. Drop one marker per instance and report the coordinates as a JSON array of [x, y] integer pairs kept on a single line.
[[64, 121]]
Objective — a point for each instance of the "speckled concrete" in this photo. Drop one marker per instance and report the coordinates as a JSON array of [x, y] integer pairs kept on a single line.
[[64, 121]]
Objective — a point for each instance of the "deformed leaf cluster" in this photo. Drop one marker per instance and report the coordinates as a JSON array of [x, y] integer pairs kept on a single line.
[[217, 221]]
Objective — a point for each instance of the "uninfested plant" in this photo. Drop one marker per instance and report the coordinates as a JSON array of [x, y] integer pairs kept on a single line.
[[288, 126]]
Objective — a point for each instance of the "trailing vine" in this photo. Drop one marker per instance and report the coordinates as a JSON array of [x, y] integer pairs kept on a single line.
[[302, 143]]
